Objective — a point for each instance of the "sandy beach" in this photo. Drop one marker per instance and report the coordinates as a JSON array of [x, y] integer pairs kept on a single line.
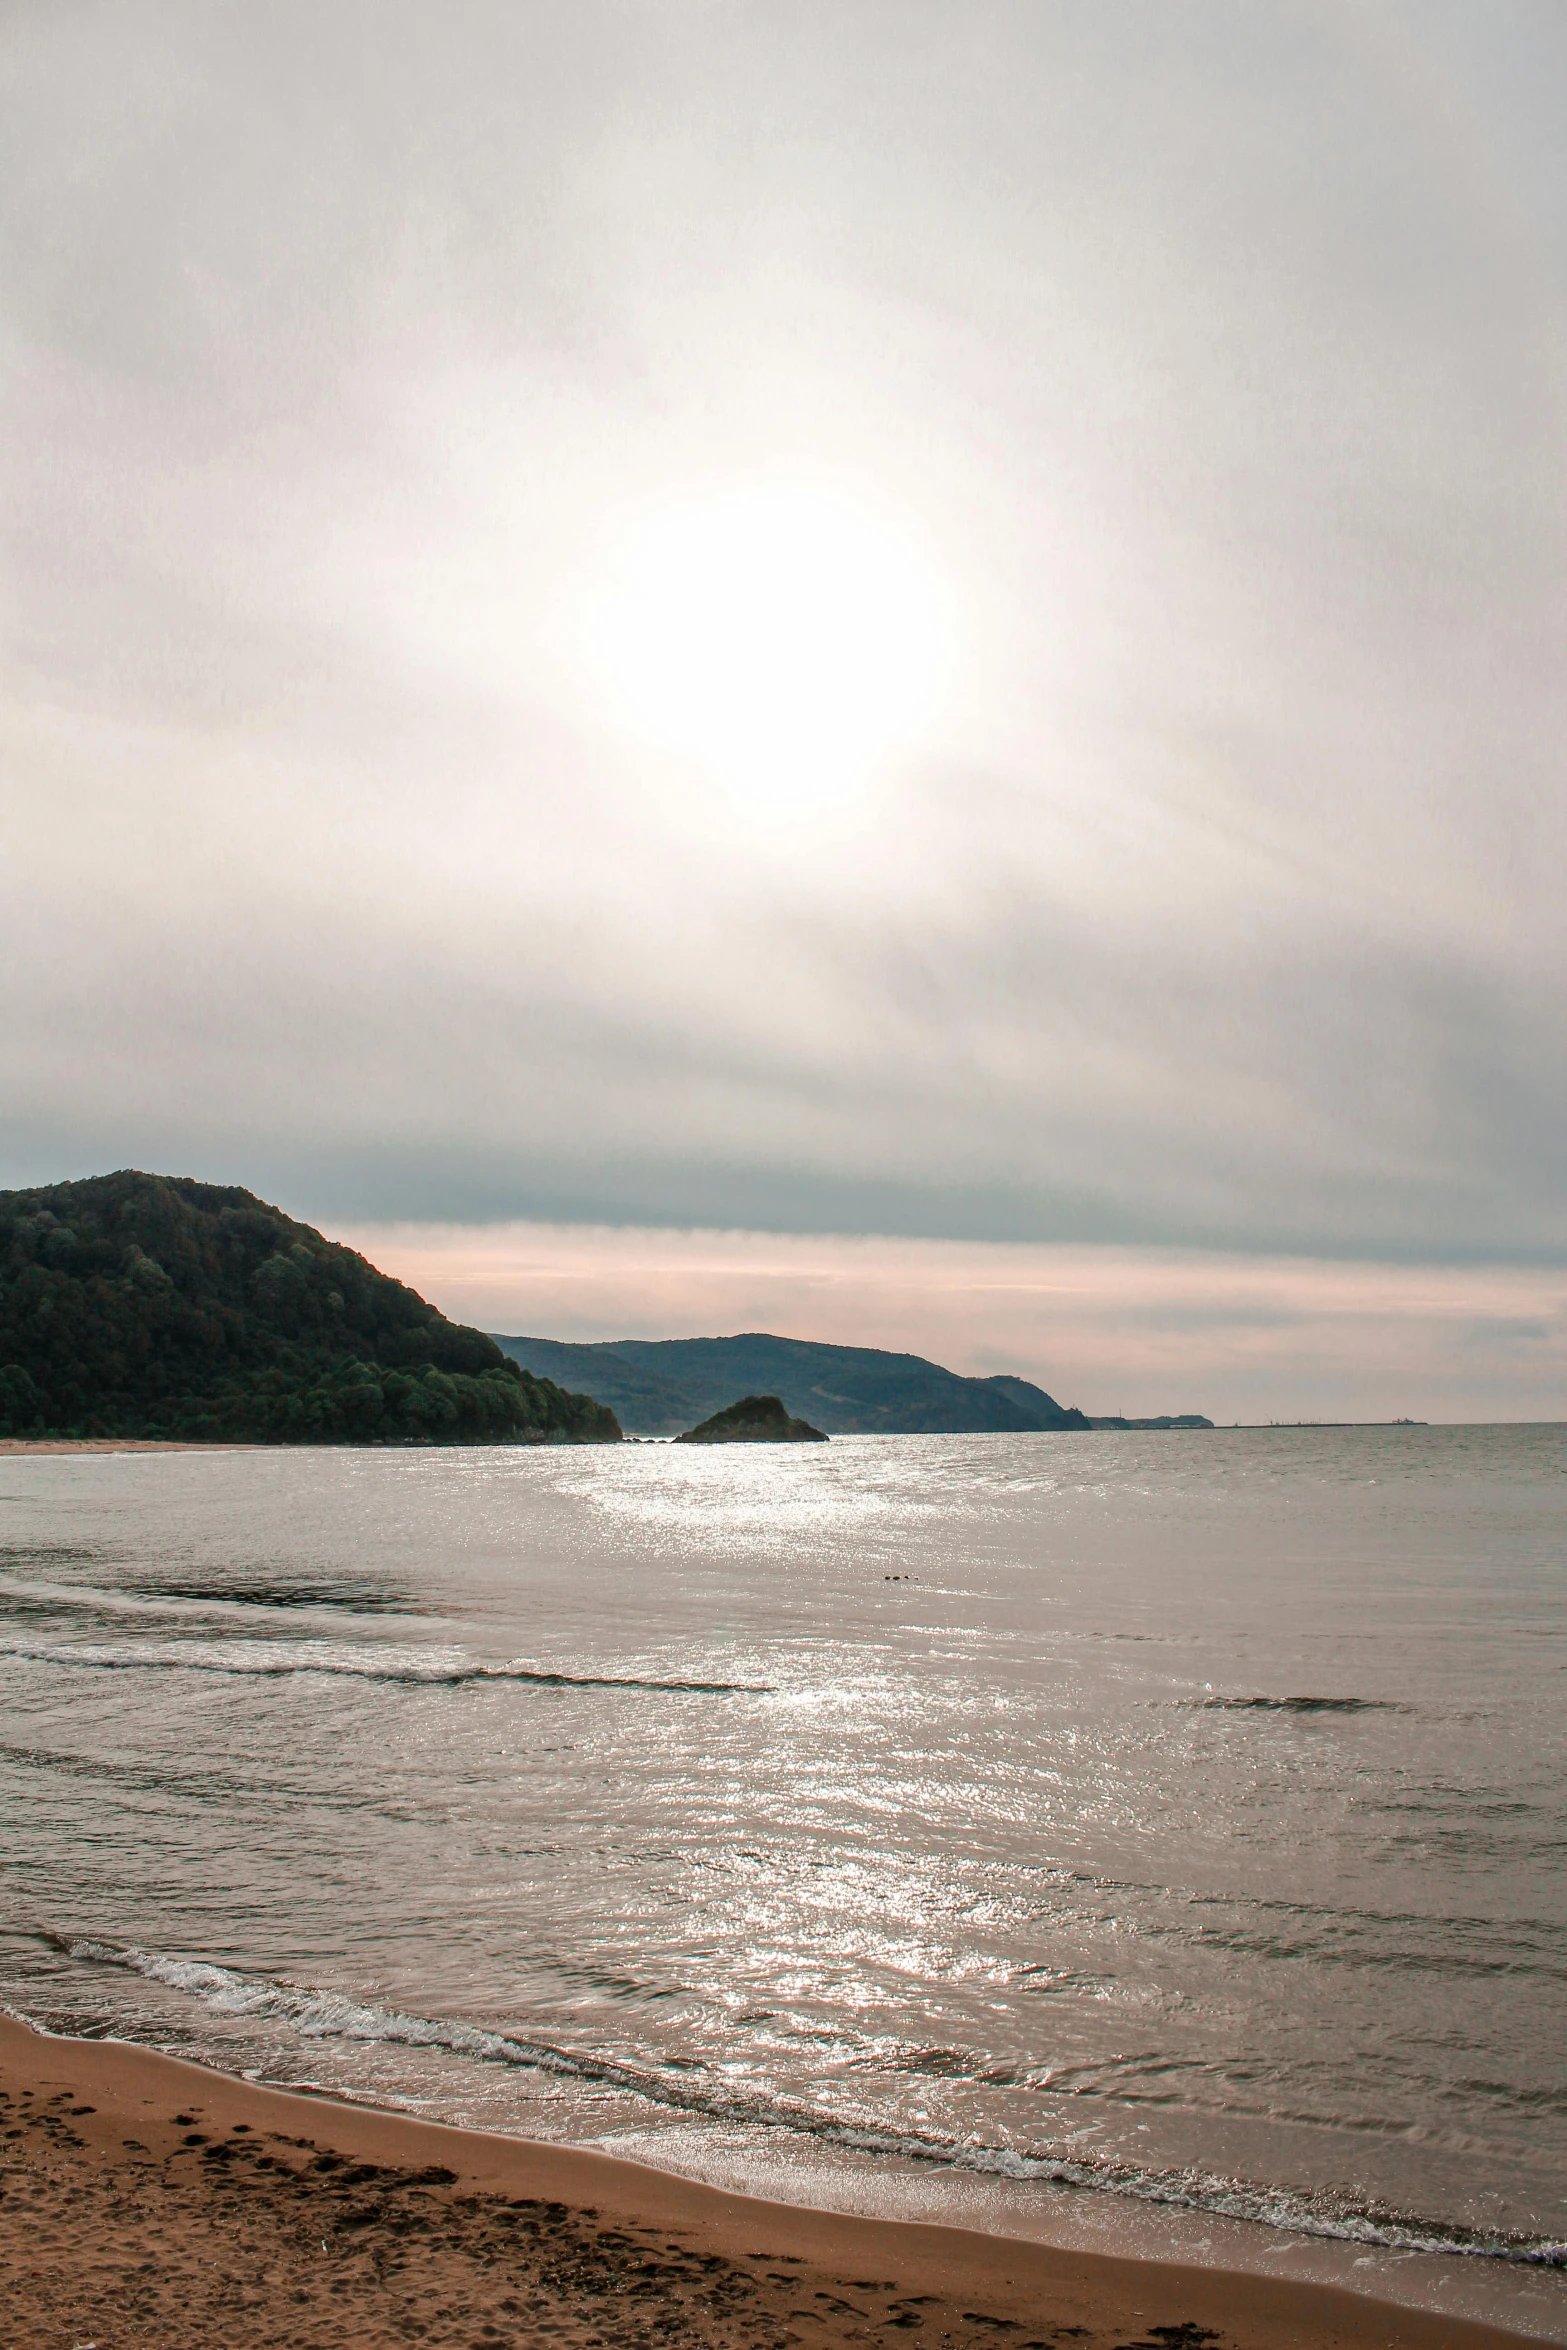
[[70, 1444], [146, 2202]]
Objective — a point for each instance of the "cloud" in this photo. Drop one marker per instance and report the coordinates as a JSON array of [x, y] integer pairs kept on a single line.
[[1140, 1330], [1499, 1330], [1215, 370]]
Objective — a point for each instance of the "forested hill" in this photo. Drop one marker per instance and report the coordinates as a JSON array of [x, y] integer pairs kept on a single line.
[[149, 1305]]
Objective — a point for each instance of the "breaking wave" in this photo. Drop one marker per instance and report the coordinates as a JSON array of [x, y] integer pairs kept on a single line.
[[317, 2014], [267, 1664], [1301, 1705]]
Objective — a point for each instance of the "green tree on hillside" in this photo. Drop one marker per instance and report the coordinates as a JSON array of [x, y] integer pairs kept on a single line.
[[147, 1305]]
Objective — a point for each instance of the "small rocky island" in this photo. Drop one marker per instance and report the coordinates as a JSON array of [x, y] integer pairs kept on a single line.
[[755, 1419]]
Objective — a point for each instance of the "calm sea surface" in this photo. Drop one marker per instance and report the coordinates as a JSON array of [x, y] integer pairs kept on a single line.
[[1169, 1825]]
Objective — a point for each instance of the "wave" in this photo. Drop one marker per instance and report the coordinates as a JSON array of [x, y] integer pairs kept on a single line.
[[321, 2014], [1299, 1705], [196, 1599], [415, 1676], [360, 1599], [51, 1554]]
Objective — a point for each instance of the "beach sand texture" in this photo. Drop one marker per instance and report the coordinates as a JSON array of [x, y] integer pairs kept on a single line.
[[147, 2203], [47, 1445]]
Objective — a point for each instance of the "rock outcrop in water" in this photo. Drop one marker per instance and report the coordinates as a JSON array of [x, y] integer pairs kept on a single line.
[[755, 1419], [154, 1306]]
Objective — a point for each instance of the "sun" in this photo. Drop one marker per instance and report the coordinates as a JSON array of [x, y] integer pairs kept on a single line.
[[782, 638]]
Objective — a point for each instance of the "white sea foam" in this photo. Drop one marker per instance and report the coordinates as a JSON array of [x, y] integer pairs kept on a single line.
[[320, 2014]]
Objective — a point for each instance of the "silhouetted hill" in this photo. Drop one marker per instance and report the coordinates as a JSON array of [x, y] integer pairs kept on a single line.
[[1026, 1395], [149, 1305], [1160, 1420], [755, 1419], [658, 1386]]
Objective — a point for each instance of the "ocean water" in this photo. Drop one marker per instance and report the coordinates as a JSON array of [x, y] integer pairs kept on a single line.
[[1150, 1838]]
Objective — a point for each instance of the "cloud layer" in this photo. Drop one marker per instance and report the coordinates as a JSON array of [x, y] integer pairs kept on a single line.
[[1111, 1330], [1211, 364]]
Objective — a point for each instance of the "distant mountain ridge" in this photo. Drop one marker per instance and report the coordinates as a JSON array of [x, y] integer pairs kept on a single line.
[[1023, 1391], [660, 1386]]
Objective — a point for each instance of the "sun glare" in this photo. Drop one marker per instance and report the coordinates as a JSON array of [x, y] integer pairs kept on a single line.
[[784, 640]]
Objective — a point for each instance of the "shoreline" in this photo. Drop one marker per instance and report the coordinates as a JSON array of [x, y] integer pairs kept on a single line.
[[70, 1444], [147, 2200]]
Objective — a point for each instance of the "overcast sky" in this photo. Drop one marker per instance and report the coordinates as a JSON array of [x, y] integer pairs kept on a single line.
[[929, 619]]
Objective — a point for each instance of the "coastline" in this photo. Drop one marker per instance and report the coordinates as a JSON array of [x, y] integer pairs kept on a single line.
[[146, 2200], [65, 1444]]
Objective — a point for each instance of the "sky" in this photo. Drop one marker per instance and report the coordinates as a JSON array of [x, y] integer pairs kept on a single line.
[[907, 636]]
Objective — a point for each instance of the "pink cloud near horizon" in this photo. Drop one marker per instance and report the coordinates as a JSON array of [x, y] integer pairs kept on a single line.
[[1108, 1329]]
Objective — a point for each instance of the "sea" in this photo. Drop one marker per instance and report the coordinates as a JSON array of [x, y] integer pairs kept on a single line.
[[1149, 1841]]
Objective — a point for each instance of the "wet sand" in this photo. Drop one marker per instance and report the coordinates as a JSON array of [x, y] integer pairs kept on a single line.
[[47, 1444], [147, 2203]]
